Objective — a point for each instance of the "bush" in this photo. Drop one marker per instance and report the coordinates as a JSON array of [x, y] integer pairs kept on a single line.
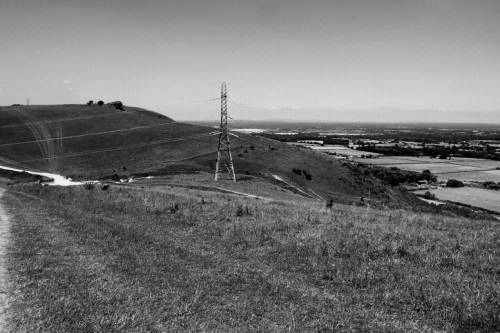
[[427, 175], [91, 102], [100, 103], [454, 183], [242, 211], [118, 105], [429, 195], [488, 183], [115, 177], [493, 186], [297, 171]]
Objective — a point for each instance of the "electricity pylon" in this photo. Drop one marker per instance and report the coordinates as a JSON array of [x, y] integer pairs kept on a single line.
[[224, 158]]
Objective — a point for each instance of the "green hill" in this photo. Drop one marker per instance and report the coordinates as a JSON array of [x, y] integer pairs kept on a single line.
[[96, 142]]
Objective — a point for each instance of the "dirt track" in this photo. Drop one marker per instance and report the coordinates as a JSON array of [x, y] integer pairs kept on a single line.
[[4, 237]]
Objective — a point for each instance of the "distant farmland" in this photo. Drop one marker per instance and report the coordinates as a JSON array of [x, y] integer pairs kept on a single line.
[[476, 197], [467, 169]]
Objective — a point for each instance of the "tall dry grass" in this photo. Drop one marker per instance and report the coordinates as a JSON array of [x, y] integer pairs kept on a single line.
[[178, 259]]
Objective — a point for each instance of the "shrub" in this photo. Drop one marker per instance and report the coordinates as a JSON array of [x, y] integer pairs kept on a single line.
[[100, 103], [297, 171], [429, 195], [91, 102], [427, 175], [329, 203], [242, 211], [174, 209], [495, 187], [488, 183], [454, 183], [118, 105]]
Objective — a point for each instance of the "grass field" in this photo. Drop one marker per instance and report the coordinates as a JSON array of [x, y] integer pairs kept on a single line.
[[253, 186], [476, 197], [465, 169], [171, 259]]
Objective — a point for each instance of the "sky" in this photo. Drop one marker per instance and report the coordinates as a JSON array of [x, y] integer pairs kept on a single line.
[[359, 60]]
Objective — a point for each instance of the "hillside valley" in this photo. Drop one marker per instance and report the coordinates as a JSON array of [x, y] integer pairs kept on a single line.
[[99, 142], [157, 245]]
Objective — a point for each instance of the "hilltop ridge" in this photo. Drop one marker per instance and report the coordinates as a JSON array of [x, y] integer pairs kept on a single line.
[[97, 142]]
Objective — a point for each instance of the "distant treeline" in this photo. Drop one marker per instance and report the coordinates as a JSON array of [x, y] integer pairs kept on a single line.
[[423, 135], [436, 152], [394, 176], [327, 140]]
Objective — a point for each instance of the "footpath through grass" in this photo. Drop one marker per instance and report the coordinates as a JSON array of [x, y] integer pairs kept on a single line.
[[129, 260]]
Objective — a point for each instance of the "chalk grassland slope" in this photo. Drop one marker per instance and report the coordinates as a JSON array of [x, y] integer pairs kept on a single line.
[[97, 142], [133, 260]]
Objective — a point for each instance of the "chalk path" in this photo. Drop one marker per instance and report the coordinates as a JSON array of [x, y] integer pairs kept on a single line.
[[4, 237]]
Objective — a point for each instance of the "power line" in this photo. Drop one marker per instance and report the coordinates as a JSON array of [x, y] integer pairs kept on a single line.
[[84, 135], [99, 115], [171, 161], [196, 101], [106, 150], [62, 120]]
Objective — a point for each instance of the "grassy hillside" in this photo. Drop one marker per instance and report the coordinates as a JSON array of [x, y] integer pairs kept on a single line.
[[171, 259], [96, 142]]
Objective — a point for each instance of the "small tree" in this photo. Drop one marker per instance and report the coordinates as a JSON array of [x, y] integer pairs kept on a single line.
[[118, 105], [100, 103], [454, 183], [427, 175], [429, 195]]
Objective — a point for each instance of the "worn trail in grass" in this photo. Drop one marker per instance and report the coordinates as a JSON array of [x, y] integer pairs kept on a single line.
[[130, 260]]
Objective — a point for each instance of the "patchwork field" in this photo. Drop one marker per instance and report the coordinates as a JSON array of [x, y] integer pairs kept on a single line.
[[477, 197], [467, 169]]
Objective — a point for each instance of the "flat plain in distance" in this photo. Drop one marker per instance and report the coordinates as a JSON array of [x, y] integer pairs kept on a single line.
[[477, 197], [466, 169]]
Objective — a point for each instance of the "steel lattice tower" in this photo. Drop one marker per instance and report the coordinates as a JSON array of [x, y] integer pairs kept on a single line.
[[224, 158]]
